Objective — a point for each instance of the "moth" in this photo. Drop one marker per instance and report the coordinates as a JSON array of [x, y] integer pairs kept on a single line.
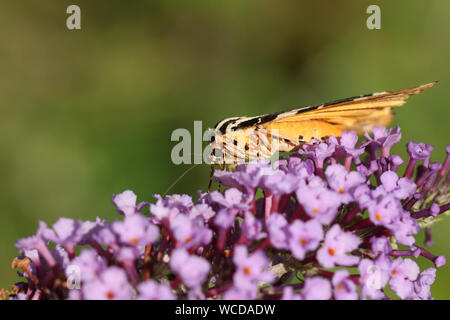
[[235, 140]]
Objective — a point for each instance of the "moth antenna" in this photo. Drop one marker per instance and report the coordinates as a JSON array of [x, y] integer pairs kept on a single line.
[[179, 178]]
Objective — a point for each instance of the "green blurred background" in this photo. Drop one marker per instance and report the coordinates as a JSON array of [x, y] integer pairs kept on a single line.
[[88, 113]]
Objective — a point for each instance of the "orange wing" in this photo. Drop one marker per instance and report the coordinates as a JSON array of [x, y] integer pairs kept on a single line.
[[330, 119]]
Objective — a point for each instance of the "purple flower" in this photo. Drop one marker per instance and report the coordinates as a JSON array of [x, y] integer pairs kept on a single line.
[[33, 255], [239, 293], [182, 201], [419, 151], [423, 283], [190, 232], [363, 195], [336, 247], [70, 233], [106, 236], [394, 161], [305, 214], [136, 230], [112, 284], [367, 171], [391, 185], [38, 242], [41, 236], [374, 275], [253, 227], [381, 245], [224, 219], [435, 209], [344, 289], [192, 269], [318, 152], [289, 294], [125, 202], [202, 210], [126, 255], [168, 208], [304, 237], [343, 182], [233, 199], [196, 294], [277, 226], [248, 176], [348, 141], [66, 231], [385, 211], [298, 167], [280, 183], [250, 269], [151, 290], [405, 228], [314, 182], [319, 203], [316, 288], [383, 139], [61, 256], [90, 263], [403, 273], [161, 212]]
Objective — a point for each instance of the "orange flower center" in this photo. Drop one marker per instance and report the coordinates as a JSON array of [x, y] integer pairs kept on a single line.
[[315, 210], [303, 241], [134, 240], [247, 270], [187, 239], [340, 287], [331, 251], [226, 253], [341, 191], [394, 272], [378, 216], [110, 295]]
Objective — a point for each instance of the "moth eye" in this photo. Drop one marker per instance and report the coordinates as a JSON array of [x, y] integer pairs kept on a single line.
[[300, 137], [213, 138], [235, 142]]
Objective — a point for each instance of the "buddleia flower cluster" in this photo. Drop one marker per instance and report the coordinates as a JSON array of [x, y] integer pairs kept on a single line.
[[333, 221]]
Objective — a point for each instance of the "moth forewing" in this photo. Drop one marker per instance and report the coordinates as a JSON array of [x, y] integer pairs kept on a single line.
[[242, 138], [254, 143], [235, 142], [304, 131]]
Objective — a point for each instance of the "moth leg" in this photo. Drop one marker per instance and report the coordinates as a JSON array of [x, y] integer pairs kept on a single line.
[[211, 177], [221, 167]]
